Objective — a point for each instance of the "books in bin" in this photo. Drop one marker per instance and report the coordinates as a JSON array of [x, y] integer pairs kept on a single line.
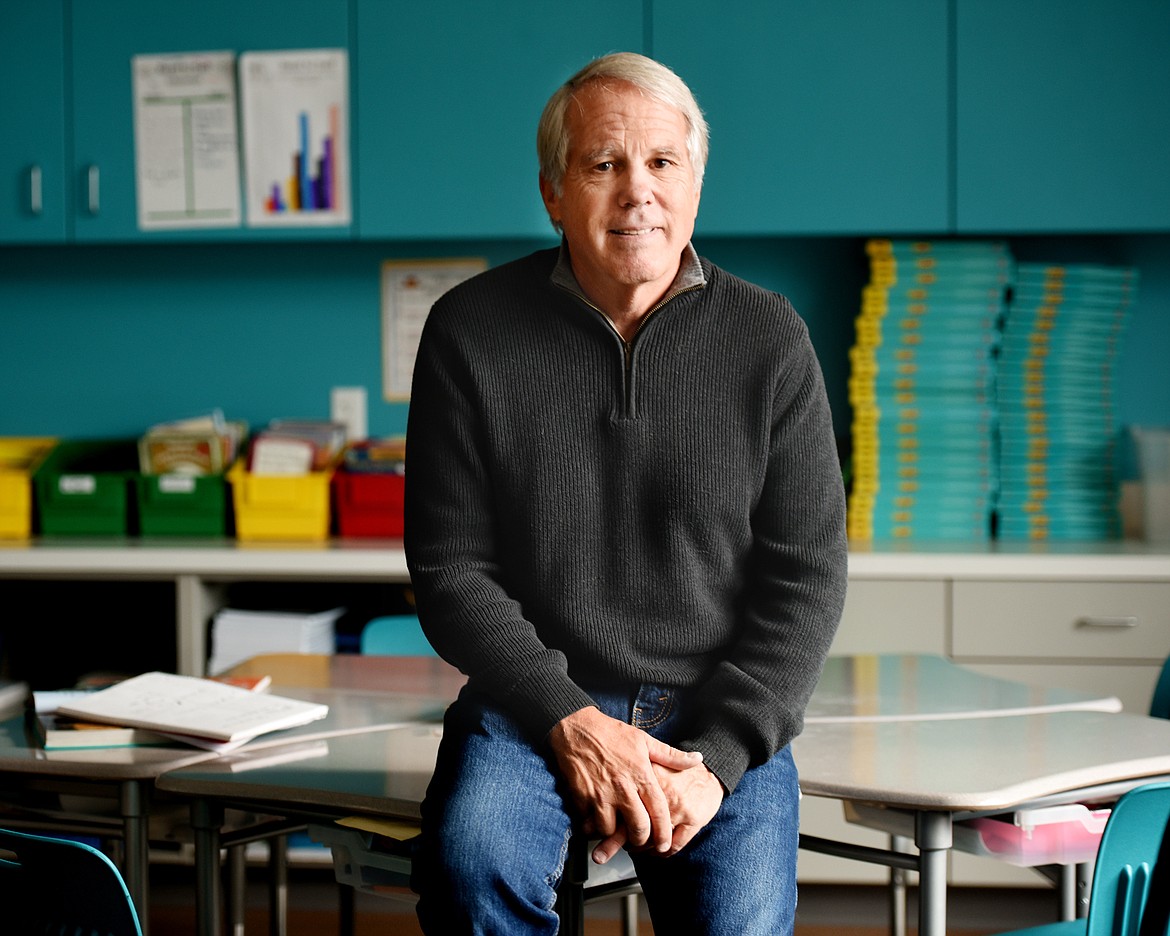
[[205, 713]]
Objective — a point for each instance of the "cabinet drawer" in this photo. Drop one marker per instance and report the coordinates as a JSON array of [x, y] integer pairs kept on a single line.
[[893, 617], [1061, 620]]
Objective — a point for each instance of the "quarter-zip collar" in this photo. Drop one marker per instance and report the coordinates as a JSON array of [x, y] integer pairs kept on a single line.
[[690, 276]]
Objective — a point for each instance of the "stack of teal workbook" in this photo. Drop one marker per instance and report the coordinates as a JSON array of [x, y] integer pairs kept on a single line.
[[1058, 433], [922, 390]]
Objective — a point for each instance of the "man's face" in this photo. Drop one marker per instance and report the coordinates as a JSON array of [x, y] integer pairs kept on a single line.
[[629, 200]]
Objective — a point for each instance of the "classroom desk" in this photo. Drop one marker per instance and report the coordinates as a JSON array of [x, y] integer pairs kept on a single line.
[[907, 700], [108, 792], [916, 778]]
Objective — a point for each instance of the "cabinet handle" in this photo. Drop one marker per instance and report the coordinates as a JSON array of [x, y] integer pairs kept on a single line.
[[1108, 623], [95, 200], [35, 203]]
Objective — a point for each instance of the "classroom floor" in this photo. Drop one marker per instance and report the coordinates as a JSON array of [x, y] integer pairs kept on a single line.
[[825, 910]]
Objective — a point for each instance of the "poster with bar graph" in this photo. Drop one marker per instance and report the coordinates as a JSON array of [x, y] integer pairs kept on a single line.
[[295, 108], [186, 154]]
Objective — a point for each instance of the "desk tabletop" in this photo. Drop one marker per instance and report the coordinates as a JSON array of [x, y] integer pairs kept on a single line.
[[979, 764], [903, 730], [400, 692], [907, 687], [380, 773]]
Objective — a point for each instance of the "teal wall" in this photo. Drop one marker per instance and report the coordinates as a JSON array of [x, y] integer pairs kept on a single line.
[[106, 340]]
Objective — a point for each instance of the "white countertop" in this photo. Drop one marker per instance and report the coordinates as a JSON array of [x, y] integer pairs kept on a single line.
[[374, 559]]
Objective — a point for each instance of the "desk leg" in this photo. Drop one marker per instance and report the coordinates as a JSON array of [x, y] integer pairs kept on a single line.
[[134, 826], [898, 843], [206, 820], [571, 895], [237, 888], [933, 836], [278, 886]]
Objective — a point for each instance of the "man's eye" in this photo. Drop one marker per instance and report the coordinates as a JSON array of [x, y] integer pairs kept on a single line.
[[662, 163], [603, 166]]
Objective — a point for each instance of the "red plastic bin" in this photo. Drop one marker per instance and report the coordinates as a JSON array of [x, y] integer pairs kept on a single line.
[[368, 503]]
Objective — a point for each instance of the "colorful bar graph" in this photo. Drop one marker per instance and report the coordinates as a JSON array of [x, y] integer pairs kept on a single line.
[[312, 182]]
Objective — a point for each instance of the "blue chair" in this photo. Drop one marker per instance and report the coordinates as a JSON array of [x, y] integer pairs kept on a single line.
[[395, 635], [53, 885], [1160, 705], [1131, 878]]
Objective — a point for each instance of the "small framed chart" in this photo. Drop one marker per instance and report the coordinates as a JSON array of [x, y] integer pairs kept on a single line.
[[409, 289]]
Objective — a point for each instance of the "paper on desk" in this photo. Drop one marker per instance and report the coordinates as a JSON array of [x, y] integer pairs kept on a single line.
[[398, 829], [191, 706]]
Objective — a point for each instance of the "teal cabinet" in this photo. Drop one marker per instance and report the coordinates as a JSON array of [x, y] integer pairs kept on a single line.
[[449, 97], [32, 111], [825, 118], [1062, 116], [106, 34]]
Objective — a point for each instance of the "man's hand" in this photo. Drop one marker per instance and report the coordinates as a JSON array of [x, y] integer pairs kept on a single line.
[[611, 771], [694, 795]]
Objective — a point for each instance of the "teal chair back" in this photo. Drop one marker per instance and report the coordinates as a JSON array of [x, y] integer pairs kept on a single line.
[[1160, 706], [53, 885], [395, 635]]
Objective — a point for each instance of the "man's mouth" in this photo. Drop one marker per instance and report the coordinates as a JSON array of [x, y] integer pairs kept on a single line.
[[633, 232]]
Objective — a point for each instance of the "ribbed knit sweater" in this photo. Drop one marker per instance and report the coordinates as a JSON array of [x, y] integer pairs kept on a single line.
[[585, 511]]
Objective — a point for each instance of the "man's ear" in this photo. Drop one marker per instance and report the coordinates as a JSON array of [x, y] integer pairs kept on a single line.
[[552, 201]]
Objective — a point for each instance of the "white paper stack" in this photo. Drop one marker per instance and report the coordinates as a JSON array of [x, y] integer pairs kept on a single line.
[[237, 635]]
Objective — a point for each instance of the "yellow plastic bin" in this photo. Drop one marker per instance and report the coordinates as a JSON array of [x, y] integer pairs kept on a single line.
[[19, 459], [279, 507]]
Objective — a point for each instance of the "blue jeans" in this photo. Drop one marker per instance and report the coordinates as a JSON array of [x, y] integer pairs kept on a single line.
[[497, 822]]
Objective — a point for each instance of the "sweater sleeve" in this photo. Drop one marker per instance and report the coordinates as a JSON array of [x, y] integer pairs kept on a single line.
[[451, 542], [752, 703]]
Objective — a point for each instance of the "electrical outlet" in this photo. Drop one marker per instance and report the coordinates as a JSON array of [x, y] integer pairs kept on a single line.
[[347, 405]]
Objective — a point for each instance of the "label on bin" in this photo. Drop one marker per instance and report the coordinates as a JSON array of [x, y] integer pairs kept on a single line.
[[76, 484], [176, 484]]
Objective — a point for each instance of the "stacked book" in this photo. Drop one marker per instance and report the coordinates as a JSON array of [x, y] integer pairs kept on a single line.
[[922, 390], [1058, 431], [238, 634]]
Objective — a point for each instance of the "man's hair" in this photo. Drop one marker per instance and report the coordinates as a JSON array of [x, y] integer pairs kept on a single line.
[[652, 78]]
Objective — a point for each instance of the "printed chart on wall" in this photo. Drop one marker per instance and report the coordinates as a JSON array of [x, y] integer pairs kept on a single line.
[[409, 289], [295, 109], [186, 156]]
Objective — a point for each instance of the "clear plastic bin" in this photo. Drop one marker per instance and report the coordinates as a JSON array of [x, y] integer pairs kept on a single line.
[[1053, 835]]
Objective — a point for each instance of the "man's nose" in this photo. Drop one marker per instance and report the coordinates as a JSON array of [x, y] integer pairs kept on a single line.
[[637, 187]]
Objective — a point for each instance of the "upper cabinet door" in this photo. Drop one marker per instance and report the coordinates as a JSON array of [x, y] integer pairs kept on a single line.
[[450, 95], [825, 118], [106, 34], [32, 111], [1063, 115]]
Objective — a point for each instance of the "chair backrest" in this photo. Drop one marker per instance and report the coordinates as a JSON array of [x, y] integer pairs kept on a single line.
[[1126, 862], [395, 635], [56, 885], [1160, 706]]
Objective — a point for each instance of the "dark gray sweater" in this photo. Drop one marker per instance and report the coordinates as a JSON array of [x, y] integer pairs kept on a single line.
[[582, 511]]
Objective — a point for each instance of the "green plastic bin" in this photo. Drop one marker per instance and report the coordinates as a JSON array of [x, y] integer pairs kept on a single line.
[[181, 505], [83, 487]]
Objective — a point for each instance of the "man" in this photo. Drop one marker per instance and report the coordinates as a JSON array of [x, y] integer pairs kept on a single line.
[[625, 523]]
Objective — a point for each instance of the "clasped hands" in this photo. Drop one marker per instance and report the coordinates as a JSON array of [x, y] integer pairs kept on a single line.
[[632, 789]]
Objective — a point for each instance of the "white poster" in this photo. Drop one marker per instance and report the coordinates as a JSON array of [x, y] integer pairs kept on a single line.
[[186, 153], [409, 289], [296, 137]]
